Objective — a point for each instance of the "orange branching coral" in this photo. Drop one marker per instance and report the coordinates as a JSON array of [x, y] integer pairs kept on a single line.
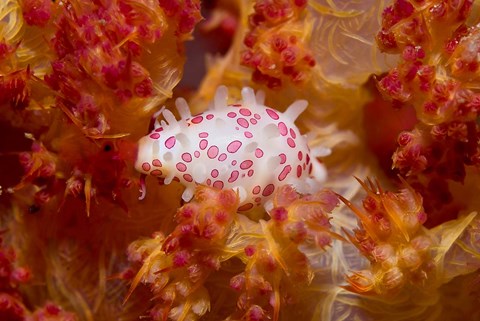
[[277, 43], [437, 74], [97, 48], [185, 14], [96, 73], [209, 232], [100, 57], [391, 237], [99, 173], [277, 266], [176, 267]]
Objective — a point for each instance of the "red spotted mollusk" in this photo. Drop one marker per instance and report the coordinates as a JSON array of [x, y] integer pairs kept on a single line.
[[247, 147]]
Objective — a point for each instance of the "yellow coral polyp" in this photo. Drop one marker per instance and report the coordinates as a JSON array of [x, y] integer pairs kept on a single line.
[[402, 255]]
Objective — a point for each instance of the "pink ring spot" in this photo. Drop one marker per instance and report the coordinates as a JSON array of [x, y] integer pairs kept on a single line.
[[209, 116], [300, 155], [283, 158], [157, 163], [197, 120], [156, 172], [196, 154], [299, 171], [245, 112], [203, 135], [181, 167], [146, 166], [155, 136], [273, 114], [258, 199], [170, 142], [256, 190], [159, 129], [292, 133], [222, 157], [248, 134], [250, 173], [188, 177], [245, 207], [236, 105], [246, 164], [203, 144], [234, 146], [258, 153], [257, 116], [253, 121], [214, 173], [268, 190], [187, 157], [286, 170], [234, 162], [308, 159], [242, 122], [233, 177], [209, 182], [232, 114], [282, 128], [291, 143], [218, 184], [212, 152]]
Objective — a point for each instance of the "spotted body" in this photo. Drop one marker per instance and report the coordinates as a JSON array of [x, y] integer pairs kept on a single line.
[[248, 147]]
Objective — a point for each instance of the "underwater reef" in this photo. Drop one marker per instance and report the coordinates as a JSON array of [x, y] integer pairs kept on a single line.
[[244, 160]]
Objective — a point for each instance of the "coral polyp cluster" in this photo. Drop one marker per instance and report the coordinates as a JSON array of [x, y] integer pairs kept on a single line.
[[12, 303], [276, 43], [392, 237], [210, 235], [176, 266], [436, 75], [97, 65]]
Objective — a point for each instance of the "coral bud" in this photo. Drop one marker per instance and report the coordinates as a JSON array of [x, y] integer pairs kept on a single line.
[[409, 258], [323, 239], [300, 3], [21, 275], [201, 301], [369, 204], [393, 278], [421, 243], [181, 258], [52, 309], [279, 44], [36, 12], [238, 282], [362, 281], [297, 232], [255, 313], [383, 252], [279, 214], [249, 250], [289, 56]]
